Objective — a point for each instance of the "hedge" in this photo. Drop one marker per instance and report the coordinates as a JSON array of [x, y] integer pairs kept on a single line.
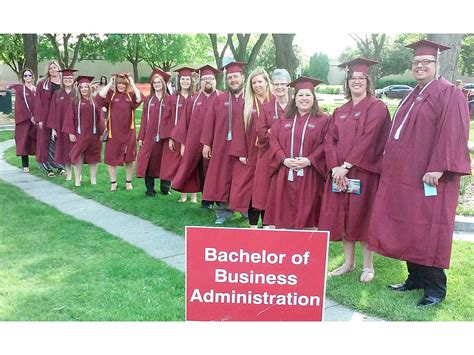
[[381, 83]]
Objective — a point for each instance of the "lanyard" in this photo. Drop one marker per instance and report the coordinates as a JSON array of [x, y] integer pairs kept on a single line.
[[229, 130], [194, 103], [177, 109], [405, 118], [94, 128], [300, 171], [26, 101], [276, 110], [157, 138]]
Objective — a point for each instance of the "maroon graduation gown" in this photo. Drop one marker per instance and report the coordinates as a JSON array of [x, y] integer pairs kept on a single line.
[[121, 147], [151, 152], [41, 109], [357, 135], [88, 143], [60, 104], [171, 159], [188, 132], [296, 204], [262, 178], [244, 144], [214, 134], [25, 130], [406, 224]]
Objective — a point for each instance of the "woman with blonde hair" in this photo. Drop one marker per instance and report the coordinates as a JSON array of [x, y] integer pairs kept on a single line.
[[121, 145], [244, 146], [156, 109], [45, 144], [84, 125]]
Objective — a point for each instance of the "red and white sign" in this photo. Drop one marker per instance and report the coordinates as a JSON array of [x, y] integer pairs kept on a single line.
[[255, 275]]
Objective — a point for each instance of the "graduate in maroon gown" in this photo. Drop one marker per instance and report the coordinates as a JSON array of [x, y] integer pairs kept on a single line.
[[84, 125], [217, 134], [425, 156], [121, 145], [244, 148], [192, 168], [172, 150], [25, 128], [271, 112], [60, 103], [45, 144], [353, 150], [297, 163], [155, 109]]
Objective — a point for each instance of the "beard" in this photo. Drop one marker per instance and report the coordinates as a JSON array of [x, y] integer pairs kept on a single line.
[[236, 90], [208, 89]]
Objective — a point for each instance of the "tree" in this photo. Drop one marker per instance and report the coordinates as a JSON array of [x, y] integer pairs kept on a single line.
[[466, 60], [285, 52], [30, 48], [12, 52], [64, 47], [318, 66], [448, 59], [125, 47], [266, 56], [240, 49], [370, 47]]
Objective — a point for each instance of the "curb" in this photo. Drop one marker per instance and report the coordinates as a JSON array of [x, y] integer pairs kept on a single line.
[[464, 224]]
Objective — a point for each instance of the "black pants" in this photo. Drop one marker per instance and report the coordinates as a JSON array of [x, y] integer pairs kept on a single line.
[[24, 161], [431, 279], [254, 215]]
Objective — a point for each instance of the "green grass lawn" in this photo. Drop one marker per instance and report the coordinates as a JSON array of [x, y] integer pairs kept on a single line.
[[372, 298], [6, 135], [53, 267]]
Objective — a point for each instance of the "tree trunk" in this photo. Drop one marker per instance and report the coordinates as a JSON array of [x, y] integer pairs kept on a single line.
[[30, 45], [135, 71], [449, 58], [284, 55]]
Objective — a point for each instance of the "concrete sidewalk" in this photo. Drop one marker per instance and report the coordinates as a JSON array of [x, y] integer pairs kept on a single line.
[[155, 241]]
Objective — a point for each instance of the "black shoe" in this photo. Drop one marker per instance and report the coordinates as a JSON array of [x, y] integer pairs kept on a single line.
[[166, 193], [150, 193], [429, 301], [401, 287], [206, 206]]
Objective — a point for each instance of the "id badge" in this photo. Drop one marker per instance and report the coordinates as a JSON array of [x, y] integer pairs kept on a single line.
[[430, 190], [229, 136]]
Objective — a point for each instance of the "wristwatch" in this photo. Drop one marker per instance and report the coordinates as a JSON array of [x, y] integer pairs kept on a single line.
[[346, 166]]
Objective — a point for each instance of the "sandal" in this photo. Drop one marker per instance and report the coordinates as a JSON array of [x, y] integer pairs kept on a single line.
[[128, 185], [113, 186], [367, 275], [181, 200], [63, 172], [50, 174], [26, 169], [341, 270]]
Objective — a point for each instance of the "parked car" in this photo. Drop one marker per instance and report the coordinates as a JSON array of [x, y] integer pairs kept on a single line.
[[393, 91]]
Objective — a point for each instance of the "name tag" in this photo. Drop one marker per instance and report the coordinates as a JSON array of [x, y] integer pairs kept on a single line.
[[61, 97], [310, 125], [180, 105], [117, 100], [419, 98], [152, 105], [198, 103], [288, 125], [226, 103], [357, 115], [83, 104], [342, 117]]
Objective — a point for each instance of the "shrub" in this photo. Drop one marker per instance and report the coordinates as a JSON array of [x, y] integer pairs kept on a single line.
[[381, 83], [329, 89]]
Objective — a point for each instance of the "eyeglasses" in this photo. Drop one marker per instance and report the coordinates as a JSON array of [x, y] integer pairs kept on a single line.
[[208, 79], [423, 62], [280, 85], [27, 75], [361, 79]]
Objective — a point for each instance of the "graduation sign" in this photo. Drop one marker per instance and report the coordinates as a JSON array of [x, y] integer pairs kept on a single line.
[[255, 275]]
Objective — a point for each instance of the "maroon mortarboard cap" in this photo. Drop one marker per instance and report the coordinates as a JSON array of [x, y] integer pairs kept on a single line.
[[163, 74], [303, 82], [185, 71], [425, 47], [84, 79], [358, 65], [68, 72], [207, 70], [234, 67]]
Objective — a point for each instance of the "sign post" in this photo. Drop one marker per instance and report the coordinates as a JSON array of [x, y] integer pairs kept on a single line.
[[255, 275]]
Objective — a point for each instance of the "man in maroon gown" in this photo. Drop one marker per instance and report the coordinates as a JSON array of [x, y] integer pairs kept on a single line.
[[192, 169], [220, 123], [425, 156]]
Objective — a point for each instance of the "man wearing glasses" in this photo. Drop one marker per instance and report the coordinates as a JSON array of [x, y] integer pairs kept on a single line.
[[424, 158]]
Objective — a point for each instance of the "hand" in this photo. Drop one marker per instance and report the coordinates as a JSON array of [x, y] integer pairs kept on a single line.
[[72, 138], [432, 178], [291, 163], [206, 152], [171, 145], [130, 79], [40, 124], [54, 134], [182, 150], [243, 160], [339, 175], [303, 162], [140, 142]]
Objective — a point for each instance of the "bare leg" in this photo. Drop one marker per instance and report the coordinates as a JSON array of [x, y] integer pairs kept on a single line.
[[68, 172], [194, 198], [93, 172], [349, 264], [368, 266], [77, 172], [183, 197], [128, 175], [113, 177]]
